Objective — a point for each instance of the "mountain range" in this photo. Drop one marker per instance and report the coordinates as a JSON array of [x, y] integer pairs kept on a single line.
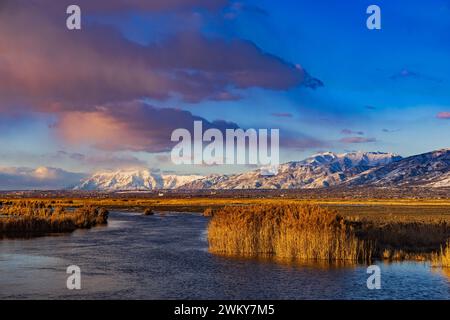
[[321, 170], [134, 179]]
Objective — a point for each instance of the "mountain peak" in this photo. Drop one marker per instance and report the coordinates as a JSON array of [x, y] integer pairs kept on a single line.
[[353, 158], [326, 169], [137, 179]]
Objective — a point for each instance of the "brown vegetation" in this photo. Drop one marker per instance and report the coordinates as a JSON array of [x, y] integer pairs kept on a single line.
[[208, 212], [340, 229], [306, 232], [397, 238], [442, 259], [30, 218], [314, 233]]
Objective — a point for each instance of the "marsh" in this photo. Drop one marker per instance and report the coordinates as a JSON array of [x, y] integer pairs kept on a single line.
[[167, 257]]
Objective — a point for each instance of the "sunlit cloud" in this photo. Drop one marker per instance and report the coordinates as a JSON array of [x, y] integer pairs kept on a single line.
[[357, 140], [443, 115]]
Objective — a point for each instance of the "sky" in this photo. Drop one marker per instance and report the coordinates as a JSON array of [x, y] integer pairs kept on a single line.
[[108, 96]]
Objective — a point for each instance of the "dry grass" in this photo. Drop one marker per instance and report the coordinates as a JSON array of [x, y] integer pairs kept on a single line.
[[198, 204], [208, 212], [31, 218], [305, 232], [442, 259], [402, 238], [396, 229], [315, 233]]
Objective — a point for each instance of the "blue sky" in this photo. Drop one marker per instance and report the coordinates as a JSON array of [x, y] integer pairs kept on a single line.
[[383, 90]]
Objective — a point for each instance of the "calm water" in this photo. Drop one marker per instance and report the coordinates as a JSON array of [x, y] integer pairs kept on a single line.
[[166, 257]]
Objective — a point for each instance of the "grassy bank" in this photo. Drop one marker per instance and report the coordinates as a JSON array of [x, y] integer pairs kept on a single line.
[[33, 218], [311, 232]]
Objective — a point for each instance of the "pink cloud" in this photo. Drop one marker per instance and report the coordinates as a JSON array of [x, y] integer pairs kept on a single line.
[[443, 115], [98, 161], [49, 68], [87, 78], [133, 5], [357, 140], [21, 178], [349, 131], [132, 126]]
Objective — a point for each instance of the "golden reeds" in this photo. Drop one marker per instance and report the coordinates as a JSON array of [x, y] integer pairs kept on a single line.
[[28, 218], [396, 239], [208, 212], [442, 259], [304, 232], [314, 233]]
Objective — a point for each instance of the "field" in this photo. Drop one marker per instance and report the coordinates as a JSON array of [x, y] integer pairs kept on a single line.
[[369, 228]]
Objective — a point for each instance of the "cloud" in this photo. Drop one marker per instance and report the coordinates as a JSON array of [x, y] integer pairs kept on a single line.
[[138, 126], [409, 74], [357, 140], [42, 178], [350, 132], [48, 68], [404, 73], [133, 126], [100, 161], [118, 6], [163, 158], [238, 8], [299, 142], [282, 115], [443, 115], [389, 130]]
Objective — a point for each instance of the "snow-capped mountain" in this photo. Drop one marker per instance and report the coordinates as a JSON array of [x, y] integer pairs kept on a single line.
[[321, 170], [134, 179], [430, 169]]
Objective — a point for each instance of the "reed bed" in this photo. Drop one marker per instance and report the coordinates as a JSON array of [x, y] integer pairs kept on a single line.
[[208, 212], [309, 232], [397, 239], [301, 232], [442, 259], [31, 218]]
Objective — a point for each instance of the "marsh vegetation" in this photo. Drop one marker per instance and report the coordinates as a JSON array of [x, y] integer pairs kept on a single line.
[[320, 230], [31, 218], [310, 232]]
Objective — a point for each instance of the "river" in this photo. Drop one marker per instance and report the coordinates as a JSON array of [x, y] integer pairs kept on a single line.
[[166, 257]]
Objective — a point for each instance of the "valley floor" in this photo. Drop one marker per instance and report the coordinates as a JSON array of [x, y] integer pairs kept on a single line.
[[406, 228], [369, 208]]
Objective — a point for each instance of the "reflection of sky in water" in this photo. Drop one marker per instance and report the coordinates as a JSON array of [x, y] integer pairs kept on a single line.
[[166, 257]]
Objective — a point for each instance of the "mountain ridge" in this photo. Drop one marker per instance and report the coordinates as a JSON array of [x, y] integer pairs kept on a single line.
[[321, 170]]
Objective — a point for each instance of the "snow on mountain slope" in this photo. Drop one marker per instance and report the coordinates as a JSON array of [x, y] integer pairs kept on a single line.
[[430, 169], [320, 170], [134, 179]]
